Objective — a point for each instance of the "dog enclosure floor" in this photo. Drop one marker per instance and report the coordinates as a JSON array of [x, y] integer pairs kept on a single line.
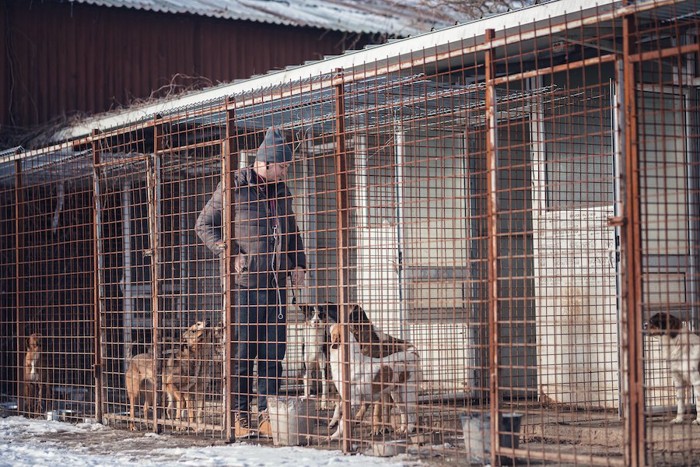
[[557, 433]]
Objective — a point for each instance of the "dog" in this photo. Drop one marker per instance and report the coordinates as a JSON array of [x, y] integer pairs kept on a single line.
[[36, 381], [187, 372], [373, 343], [682, 349], [315, 350], [138, 372], [373, 379]]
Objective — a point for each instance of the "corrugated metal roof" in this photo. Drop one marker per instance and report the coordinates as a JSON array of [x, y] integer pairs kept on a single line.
[[394, 17], [380, 55]]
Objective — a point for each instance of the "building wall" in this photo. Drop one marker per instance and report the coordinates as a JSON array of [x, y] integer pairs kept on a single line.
[[63, 58]]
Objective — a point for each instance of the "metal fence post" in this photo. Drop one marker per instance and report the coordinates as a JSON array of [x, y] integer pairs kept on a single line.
[[631, 254], [492, 220], [97, 267]]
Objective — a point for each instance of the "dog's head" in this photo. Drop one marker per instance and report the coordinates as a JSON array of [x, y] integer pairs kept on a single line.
[[663, 324], [314, 315], [195, 334], [34, 341]]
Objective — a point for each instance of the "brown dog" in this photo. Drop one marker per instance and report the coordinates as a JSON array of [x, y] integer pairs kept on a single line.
[[179, 377], [188, 371], [140, 371], [36, 381]]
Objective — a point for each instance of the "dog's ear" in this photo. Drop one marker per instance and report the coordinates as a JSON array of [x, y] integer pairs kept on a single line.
[[358, 315]]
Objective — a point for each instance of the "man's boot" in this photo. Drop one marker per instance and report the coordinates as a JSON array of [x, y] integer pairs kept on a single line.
[[264, 425], [242, 427]]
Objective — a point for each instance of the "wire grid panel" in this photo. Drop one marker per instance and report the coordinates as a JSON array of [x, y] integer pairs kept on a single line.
[[54, 287], [667, 102], [11, 365], [161, 297]]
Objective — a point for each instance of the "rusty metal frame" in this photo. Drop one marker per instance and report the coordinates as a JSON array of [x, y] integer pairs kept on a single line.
[[153, 190], [19, 209], [343, 206], [97, 267], [631, 252], [492, 229], [229, 160]]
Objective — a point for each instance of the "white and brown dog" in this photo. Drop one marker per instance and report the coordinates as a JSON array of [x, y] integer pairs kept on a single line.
[[681, 348], [315, 350], [36, 382], [372, 379]]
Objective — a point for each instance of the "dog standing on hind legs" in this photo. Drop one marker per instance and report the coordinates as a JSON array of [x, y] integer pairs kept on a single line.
[[36, 381], [681, 348]]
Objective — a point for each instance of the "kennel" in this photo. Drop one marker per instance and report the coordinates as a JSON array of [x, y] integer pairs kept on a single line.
[[513, 197]]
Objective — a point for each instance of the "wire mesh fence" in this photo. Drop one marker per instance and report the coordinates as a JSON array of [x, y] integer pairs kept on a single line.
[[484, 250]]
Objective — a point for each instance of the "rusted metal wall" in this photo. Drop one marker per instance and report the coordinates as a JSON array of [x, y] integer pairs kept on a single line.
[[63, 58]]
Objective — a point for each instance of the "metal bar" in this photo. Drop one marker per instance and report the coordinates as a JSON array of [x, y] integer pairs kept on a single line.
[[19, 209], [560, 457], [492, 228], [342, 206], [555, 69], [631, 251], [229, 150], [153, 181], [121, 162], [97, 267], [665, 53], [128, 288]]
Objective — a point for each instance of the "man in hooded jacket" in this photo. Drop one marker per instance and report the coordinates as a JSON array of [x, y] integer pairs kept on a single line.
[[266, 248]]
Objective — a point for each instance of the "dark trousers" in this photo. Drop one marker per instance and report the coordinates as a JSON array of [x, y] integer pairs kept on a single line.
[[260, 333]]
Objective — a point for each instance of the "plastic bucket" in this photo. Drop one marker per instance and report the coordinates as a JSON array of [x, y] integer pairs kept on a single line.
[[291, 419], [477, 434]]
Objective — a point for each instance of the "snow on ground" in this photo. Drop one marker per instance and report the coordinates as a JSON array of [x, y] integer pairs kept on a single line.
[[31, 442]]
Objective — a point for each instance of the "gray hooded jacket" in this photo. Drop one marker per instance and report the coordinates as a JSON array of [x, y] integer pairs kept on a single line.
[[269, 241]]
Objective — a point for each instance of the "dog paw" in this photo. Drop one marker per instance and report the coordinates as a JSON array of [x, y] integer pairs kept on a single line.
[[677, 421], [406, 430], [696, 421], [335, 435], [381, 431]]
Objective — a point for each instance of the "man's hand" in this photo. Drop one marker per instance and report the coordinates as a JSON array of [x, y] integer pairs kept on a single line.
[[238, 264], [219, 247], [298, 276]]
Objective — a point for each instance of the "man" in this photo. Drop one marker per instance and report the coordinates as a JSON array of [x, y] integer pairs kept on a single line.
[[267, 247]]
